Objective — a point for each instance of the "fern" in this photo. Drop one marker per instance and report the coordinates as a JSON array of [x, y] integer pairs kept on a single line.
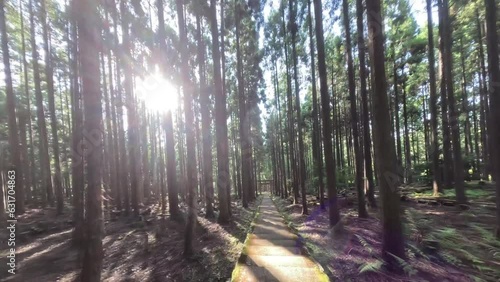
[[407, 268], [364, 243], [373, 266], [449, 258]]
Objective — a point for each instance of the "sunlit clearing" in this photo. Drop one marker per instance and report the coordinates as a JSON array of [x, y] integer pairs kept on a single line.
[[159, 94]]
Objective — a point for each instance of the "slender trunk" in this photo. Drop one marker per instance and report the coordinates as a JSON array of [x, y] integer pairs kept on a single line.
[[246, 153], [325, 104], [434, 150], [132, 119], [43, 150], [447, 156], [205, 105], [369, 185], [77, 166], [301, 162], [91, 93], [15, 170], [291, 124], [393, 241], [354, 115], [52, 109], [396, 116], [408, 172], [223, 176], [483, 102], [454, 116], [173, 194], [316, 137], [190, 136], [494, 75]]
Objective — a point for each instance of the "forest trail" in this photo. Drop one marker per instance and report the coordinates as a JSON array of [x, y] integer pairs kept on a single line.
[[273, 253]]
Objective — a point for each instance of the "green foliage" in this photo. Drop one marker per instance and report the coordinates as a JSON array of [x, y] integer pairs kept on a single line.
[[364, 243], [407, 268], [372, 266]]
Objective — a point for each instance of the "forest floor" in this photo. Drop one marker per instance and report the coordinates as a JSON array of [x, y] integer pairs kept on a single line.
[[443, 242], [149, 249]]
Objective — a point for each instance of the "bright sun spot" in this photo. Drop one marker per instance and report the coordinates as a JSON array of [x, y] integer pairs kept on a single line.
[[159, 94]]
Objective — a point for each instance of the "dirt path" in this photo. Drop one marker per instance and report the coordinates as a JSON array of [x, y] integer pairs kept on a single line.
[[273, 253]]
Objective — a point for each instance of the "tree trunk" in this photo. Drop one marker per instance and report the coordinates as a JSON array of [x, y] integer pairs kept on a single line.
[[393, 241], [325, 105], [290, 118], [47, 196], [205, 105], [301, 162], [132, 119], [484, 122], [91, 92], [354, 115], [369, 185], [316, 137], [447, 157], [244, 118], [454, 116], [190, 136], [408, 173], [15, 170], [223, 176], [494, 75], [434, 150], [52, 110], [173, 194]]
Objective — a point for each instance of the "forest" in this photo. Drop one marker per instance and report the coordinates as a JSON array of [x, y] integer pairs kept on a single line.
[[233, 140]]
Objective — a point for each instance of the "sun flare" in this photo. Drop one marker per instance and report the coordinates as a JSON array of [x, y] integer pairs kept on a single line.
[[159, 94]]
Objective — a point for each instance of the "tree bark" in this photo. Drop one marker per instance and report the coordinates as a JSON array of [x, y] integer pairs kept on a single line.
[[190, 136], [334, 214], [301, 161], [88, 40], [223, 176], [434, 150], [393, 241], [316, 137], [15, 170], [369, 185], [49, 76], [47, 196], [358, 157], [494, 75], [454, 116]]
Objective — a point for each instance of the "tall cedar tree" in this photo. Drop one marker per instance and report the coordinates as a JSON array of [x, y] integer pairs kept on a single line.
[[458, 167], [43, 150], [358, 157], [206, 124], [367, 142], [15, 172], [301, 163], [223, 177], [327, 124], [88, 43], [316, 138], [494, 71], [49, 77], [173, 199], [434, 149], [245, 146], [190, 137], [393, 241], [77, 161]]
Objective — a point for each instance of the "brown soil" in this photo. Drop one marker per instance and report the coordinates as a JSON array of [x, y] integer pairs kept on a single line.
[[358, 245], [149, 249]]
